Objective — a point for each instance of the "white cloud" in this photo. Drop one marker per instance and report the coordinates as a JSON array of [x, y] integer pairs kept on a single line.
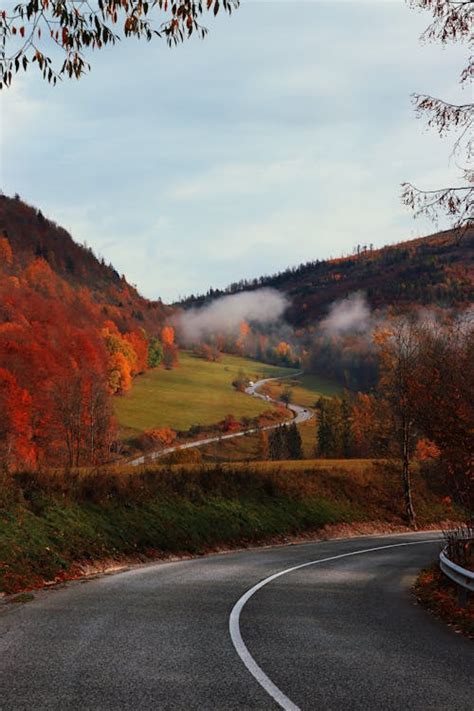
[[226, 314], [351, 315], [236, 179], [273, 142]]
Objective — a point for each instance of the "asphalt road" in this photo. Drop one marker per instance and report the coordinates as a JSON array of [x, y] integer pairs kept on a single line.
[[341, 634], [300, 414]]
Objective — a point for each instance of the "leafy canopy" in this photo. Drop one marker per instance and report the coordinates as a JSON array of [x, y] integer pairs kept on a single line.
[[34, 31]]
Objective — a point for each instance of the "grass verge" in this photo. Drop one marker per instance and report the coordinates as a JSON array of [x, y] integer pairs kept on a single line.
[[51, 521], [438, 594]]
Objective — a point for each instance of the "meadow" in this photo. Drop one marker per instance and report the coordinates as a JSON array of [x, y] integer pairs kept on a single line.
[[197, 392], [306, 389]]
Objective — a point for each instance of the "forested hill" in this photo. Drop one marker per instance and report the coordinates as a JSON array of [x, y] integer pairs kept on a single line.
[[72, 333], [35, 239], [430, 270]]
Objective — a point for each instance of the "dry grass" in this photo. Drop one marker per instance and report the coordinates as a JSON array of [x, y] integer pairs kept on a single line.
[[50, 521]]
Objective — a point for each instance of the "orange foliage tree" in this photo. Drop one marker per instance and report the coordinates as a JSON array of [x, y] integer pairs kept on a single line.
[[16, 432], [167, 335], [139, 343], [426, 387], [128, 356], [364, 421], [170, 349], [426, 450], [6, 253], [53, 360], [399, 353], [159, 437]]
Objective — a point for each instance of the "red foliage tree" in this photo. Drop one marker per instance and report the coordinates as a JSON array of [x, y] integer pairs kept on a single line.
[[6, 253], [16, 446]]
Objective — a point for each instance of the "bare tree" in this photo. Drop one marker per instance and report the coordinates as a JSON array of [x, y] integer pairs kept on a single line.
[[399, 355], [443, 396], [37, 30], [452, 22], [83, 420]]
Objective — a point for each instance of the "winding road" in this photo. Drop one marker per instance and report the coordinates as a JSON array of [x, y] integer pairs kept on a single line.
[[300, 414], [327, 625]]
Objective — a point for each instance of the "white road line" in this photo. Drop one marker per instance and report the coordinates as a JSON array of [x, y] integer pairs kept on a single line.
[[234, 621]]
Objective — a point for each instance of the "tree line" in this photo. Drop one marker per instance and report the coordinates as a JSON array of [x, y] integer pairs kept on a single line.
[[422, 405], [281, 443]]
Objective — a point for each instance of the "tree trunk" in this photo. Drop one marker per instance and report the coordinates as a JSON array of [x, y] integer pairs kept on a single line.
[[409, 510]]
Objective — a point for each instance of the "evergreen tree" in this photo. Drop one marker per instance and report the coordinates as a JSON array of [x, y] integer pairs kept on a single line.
[[346, 426], [287, 395], [277, 444], [324, 434], [294, 444]]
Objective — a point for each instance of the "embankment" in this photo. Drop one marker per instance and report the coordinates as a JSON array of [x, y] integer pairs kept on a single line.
[[52, 523]]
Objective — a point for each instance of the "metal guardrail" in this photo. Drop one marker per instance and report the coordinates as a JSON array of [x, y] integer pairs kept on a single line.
[[463, 578]]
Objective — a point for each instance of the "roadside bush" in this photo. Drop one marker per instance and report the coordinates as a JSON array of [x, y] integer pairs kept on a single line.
[[437, 593], [158, 438]]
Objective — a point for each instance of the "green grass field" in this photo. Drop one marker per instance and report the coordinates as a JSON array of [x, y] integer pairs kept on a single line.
[[306, 389], [195, 393]]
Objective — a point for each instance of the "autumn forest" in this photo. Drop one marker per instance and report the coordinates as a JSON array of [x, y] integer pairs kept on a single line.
[[74, 335]]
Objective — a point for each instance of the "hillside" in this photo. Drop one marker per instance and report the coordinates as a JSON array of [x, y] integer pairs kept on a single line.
[[53, 523], [72, 333], [33, 237], [435, 270]]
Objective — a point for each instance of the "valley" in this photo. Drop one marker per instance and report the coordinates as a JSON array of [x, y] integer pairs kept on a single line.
[[236, 356], [197, 392], [94, 378]]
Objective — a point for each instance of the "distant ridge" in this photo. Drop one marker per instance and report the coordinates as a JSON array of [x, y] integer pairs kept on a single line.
[[434, 270], [33, 236]]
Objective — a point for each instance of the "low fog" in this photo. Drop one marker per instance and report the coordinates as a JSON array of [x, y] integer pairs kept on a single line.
[[225, 315], [351, 315]]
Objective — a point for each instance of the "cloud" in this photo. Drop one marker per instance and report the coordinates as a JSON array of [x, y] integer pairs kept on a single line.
[[225, 315], [242, 159], [232, 179], [351, 315]]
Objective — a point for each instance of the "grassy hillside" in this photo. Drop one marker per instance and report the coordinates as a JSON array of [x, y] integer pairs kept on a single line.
[[52, 521], [196, 393]]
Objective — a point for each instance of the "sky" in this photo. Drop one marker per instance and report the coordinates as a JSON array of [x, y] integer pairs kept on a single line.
[[282, 137]]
